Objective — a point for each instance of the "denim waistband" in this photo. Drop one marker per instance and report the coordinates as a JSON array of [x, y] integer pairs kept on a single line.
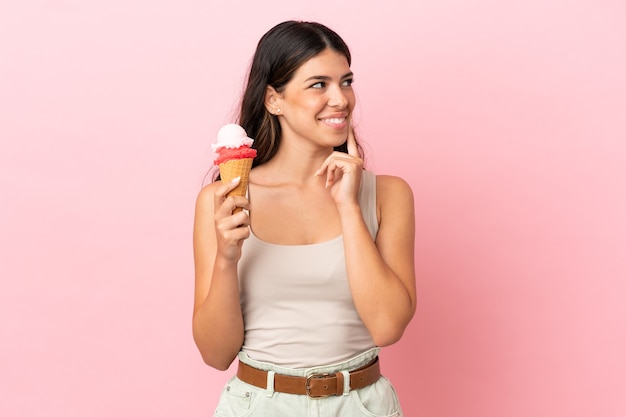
[[348, 365]]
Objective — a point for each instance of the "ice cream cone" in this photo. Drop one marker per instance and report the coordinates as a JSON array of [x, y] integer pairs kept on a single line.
[[236, 168]]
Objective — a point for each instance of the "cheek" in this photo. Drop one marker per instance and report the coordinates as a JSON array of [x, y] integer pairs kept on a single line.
[[351, 97], [313, 104], [351, 105]]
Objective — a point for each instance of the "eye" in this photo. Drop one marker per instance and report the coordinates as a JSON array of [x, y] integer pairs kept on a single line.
[[319, 84], [347, 83]]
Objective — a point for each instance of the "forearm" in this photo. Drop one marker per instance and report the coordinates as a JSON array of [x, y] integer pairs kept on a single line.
[[218, 322], [382, 299]]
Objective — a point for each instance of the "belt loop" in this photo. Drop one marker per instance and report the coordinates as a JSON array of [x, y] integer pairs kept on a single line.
[[339, 381], [270, 384], [346, 382]]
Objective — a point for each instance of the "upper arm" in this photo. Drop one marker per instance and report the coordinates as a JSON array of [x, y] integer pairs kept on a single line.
[[396, 234], [204, 243]]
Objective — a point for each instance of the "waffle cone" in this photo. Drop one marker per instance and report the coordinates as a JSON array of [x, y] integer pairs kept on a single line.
[[236, 168]]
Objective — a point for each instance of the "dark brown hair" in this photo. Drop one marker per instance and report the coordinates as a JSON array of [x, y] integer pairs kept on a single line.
[[280, 52]]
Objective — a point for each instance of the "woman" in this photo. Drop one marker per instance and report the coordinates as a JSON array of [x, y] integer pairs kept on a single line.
[[317, 272]]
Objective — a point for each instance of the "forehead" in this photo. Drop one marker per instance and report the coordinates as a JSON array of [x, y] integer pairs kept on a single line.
[[326, 63]]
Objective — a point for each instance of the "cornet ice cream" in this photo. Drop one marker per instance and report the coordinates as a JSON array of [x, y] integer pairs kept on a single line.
[[234, 157]]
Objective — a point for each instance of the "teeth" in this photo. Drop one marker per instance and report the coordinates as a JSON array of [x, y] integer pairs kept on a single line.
[[336, 120]]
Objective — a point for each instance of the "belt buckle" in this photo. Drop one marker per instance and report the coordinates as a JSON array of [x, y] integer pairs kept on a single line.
[[308, 385]]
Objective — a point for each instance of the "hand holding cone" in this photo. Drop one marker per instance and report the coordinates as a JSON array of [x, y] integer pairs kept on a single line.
[[234, 157]]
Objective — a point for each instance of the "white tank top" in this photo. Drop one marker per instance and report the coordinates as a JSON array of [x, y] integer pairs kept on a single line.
[[296, 302]]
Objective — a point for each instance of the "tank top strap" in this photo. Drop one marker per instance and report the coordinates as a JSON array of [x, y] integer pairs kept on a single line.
[[367, 201]]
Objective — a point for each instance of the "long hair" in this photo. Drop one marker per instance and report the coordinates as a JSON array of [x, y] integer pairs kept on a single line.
[[280, 52]]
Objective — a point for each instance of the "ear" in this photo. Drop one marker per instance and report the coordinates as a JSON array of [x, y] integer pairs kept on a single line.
[[272, 99]]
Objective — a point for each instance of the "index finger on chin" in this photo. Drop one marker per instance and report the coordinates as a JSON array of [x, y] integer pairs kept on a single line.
[[353, 149]]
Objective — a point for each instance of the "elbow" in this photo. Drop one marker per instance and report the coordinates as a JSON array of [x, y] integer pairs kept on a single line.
[[387, 337], [215, 355], [221, 364], [218, 359], [387, 331]]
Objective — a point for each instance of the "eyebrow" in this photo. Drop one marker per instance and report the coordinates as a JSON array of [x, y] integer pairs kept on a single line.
[[326, 77]]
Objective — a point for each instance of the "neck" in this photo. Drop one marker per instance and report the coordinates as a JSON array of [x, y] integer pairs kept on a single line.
[[295, 165]]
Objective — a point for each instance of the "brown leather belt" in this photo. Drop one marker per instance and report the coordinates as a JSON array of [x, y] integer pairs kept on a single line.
[[316, 385]]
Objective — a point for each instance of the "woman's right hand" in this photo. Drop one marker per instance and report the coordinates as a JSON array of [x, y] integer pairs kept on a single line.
[[230, 229]]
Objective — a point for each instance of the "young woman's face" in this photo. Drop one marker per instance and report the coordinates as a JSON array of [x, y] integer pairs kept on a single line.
[[317, 103]]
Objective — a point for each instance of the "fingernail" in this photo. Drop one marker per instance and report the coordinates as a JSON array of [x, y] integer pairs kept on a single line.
[[236, 179]]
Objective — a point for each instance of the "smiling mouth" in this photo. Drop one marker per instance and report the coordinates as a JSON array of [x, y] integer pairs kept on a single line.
[[335, 120]]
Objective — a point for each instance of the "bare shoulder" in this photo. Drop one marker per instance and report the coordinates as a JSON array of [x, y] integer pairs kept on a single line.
[[204, 229], [203, 216], [392, 190], [207, 194], [396, 235]]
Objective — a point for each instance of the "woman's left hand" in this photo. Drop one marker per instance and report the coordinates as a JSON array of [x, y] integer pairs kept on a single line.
[[343, 173]]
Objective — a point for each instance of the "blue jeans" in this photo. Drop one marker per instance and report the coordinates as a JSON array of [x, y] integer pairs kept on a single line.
[[240, 399]]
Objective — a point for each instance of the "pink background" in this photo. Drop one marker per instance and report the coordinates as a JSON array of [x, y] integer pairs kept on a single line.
[[507, 118]]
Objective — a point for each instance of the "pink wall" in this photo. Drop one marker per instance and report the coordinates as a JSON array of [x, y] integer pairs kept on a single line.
[[505, 117]]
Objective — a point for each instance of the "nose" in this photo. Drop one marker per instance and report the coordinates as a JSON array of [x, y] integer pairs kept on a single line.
[[337, 97]]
